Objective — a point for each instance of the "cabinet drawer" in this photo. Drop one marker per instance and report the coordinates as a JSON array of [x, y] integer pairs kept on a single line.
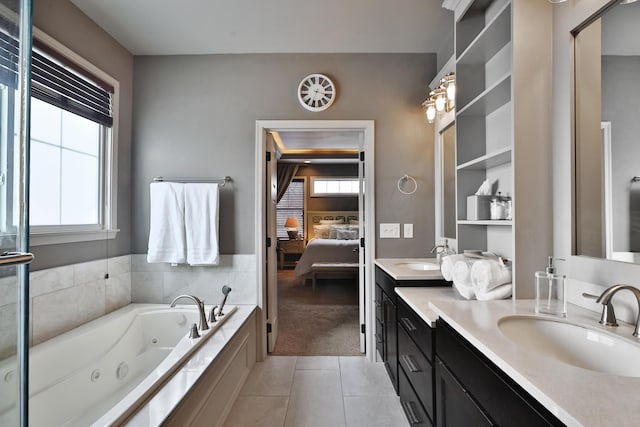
[[378, 304], [380, 340], [416, 328], [411, 405], [455, 407], [384, 281], [417, 369], [495, 391]]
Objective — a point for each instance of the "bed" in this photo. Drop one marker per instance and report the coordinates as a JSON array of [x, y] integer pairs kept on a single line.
[[333, 238]]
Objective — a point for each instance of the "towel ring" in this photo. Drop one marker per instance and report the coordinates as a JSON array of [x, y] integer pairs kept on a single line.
[[403, 180]]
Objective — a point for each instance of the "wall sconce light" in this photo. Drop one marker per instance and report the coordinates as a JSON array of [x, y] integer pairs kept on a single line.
[[442, 98]]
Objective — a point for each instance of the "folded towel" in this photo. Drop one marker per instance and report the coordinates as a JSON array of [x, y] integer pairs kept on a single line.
[[488, 274], [462, 278], [499, 292], [167, 241], [201, 223], [446, 266]]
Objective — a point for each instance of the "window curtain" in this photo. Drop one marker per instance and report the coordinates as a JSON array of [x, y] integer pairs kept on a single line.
[[286, 172]]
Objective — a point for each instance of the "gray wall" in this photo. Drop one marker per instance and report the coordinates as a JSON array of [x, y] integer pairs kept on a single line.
[[598, 272], [64, 22], [620, 105], [195, 116]]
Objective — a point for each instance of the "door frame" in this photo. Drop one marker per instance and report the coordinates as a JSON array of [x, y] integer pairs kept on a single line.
[[367, 127]]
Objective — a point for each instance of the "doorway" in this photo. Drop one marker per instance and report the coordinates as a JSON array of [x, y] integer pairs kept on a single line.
[[265, 220]]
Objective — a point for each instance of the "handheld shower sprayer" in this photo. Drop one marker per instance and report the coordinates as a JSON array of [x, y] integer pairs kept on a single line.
[[225, 292]]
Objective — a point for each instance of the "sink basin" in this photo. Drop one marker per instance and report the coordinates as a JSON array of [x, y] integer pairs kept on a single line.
[[573, 344], [419, 266]]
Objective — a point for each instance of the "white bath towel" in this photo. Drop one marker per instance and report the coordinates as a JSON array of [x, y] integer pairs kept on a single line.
[[462, 278], [201, 223], [488, 274], [499, 292], [167, 241], [446, 266]]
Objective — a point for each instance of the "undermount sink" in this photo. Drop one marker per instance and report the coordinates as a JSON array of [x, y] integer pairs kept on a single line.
[[419, 266], [574, 344]]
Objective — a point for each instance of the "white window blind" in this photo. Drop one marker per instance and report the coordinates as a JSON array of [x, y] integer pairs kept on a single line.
[[291, 205]]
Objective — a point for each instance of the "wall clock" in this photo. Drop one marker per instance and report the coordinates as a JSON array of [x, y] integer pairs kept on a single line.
[[316, 92]]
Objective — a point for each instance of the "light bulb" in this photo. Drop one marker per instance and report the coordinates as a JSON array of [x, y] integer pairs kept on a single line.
[[431, 113], [440, 103], [451, 91]]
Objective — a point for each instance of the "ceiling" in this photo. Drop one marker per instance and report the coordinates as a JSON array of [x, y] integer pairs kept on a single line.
[[174, 27], [317, 146]]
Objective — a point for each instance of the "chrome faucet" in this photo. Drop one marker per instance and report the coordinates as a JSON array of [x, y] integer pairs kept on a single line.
[[605, 300], [441, 250], [202, 324]]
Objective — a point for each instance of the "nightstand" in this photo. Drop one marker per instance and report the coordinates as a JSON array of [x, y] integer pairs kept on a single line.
[[294, 248]]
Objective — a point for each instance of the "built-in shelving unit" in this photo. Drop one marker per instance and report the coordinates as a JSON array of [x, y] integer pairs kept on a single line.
[[503, 76]]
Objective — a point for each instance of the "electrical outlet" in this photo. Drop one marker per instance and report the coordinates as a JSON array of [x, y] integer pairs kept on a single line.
[[408, 231], [389, 231]]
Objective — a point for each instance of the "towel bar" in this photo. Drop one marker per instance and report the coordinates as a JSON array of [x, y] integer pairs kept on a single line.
[[222, 181]]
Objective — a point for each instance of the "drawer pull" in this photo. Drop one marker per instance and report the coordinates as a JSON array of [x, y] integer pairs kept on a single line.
[[410, 413], [407, 324], [377, 302], [408, 360]]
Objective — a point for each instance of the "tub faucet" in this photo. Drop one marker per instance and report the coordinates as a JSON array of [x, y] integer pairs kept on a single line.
[[225, 291], [605, 300], [202, 324]]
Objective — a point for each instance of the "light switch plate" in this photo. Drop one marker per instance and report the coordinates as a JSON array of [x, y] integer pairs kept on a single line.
[[408, 231], [389, 230]]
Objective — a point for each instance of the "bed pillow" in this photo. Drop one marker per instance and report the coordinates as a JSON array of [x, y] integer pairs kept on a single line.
[[321, 231], [354, 222], [331, 221], [334, 228], [347, 234]]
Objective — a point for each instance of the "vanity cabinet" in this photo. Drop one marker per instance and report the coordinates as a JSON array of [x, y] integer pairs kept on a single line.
[[503, 122], [386, 308], [472, 390]]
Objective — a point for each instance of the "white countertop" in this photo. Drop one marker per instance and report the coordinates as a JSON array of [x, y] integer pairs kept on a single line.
[[398, 268], [419, 298], [578, 397]]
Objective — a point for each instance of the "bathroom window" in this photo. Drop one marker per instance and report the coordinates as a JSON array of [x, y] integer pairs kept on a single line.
[[72, 147], [330, 187]]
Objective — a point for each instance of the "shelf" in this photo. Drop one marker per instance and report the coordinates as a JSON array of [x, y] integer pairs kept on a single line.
[[490, 100], [488, 161], [495, 35], [485, 222]]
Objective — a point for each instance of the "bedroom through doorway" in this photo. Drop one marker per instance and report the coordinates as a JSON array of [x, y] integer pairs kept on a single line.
[[318, 292]]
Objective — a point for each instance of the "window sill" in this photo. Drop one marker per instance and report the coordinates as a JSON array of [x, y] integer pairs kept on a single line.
[[41, 238]]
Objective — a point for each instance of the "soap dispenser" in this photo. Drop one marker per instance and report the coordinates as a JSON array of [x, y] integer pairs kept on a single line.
[[551, 291]]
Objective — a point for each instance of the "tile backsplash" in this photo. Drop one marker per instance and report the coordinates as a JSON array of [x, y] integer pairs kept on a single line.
[[63, 298]]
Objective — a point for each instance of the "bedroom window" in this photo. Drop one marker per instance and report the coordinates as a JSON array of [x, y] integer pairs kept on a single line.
[[291, 206], [331, 187]]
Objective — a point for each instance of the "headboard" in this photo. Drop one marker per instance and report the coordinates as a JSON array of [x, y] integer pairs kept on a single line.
[[314, 218]]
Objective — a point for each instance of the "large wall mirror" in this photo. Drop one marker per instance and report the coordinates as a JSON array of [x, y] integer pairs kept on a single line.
[[607, 134]]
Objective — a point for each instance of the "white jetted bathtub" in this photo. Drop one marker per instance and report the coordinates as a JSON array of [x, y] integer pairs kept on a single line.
[[115, 361]]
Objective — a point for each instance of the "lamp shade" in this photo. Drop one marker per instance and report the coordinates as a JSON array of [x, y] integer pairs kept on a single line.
[[292, 223]]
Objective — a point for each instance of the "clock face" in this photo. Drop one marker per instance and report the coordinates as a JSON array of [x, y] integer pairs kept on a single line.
[[316, 92]]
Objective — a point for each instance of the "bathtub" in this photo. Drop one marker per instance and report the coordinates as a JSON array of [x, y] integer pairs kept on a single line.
[[102, 370]]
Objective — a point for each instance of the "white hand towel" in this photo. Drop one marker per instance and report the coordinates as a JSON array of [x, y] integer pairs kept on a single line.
[[166, 223], [488, 274], [499, 292], [446, 267], [201, 223], [462, 278]]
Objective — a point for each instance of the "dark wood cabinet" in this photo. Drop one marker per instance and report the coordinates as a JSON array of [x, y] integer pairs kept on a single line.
[[411, 405], [480, 383]]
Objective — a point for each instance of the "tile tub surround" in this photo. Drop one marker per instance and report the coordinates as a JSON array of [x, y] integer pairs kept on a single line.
[[317, 391], [160, 283], [578, 397], [63, 298]]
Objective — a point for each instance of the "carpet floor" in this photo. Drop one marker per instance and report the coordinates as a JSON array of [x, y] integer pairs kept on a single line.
[[320, 323]]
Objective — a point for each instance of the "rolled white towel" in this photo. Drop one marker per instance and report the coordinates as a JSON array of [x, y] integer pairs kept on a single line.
[[466, 291], [488, 274], [499, 292], [446, 267], [462, 278]]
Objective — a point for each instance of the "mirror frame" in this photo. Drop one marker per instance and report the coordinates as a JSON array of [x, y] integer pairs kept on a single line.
[[442, 123]]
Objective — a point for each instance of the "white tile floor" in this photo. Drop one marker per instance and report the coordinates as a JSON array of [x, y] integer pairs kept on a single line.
[[317, 391]]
